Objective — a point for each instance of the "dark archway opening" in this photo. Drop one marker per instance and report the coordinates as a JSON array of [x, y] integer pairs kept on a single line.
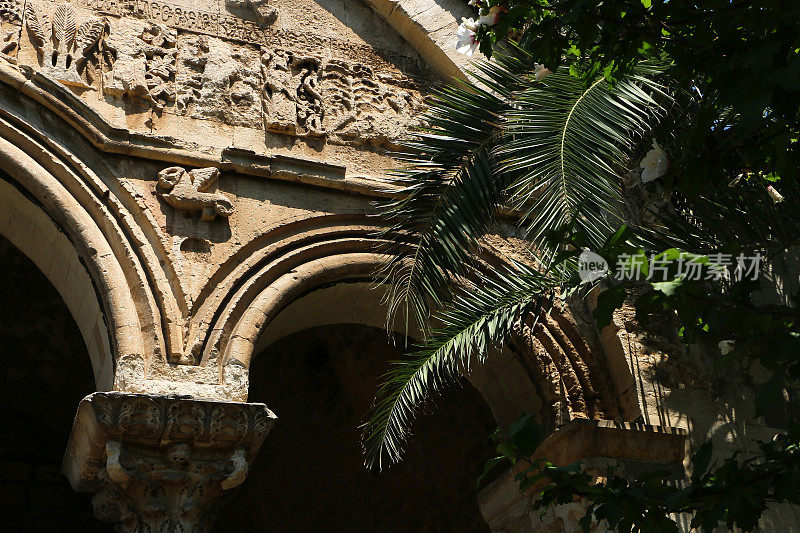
[[309, 474], [45, 372]]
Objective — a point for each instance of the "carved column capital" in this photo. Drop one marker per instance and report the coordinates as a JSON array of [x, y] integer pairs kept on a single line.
[[161, 463]]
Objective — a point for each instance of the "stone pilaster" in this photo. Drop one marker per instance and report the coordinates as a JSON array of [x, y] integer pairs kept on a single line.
[[161, 463]]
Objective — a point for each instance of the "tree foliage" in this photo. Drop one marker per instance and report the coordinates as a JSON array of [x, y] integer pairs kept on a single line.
[[712, 88], [735, 492]]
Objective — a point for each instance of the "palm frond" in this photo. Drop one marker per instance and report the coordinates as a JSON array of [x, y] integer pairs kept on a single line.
[[450, 189], [554, 149], [570, 144], [479, 318]]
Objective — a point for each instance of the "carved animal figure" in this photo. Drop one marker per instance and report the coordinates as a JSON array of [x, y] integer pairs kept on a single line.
[[190, 191]]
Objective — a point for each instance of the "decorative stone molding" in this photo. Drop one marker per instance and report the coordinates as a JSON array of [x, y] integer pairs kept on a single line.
[[67, 51], [161, 463], [190, 191]]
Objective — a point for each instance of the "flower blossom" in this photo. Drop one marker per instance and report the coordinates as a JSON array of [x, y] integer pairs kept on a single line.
[[540, 72], [654, 164], [493, 16], [775, 195], [467, 43]]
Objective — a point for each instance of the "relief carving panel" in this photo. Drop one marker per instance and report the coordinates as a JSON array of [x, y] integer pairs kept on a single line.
[[348, 102], [218, 80], [66, 50], [141, 62]]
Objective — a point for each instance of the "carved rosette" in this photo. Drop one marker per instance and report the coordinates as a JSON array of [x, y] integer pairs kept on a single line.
[[161, 463]]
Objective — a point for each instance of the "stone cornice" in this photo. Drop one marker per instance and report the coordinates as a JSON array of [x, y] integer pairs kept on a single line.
[[611, 439]]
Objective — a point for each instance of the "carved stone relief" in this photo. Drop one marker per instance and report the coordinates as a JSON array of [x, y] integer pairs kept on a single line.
[[160, 463], [67, 51], [10, 27], [191, 192], [218, 80], [292, 99], [141, 63], [362, 105], [264, 14], [348, 102]]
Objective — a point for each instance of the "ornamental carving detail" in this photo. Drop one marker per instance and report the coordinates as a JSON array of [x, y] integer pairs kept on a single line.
[[67, 51], [141, 59], [347, 102], [191, 191], [158, 463], [10, 22]]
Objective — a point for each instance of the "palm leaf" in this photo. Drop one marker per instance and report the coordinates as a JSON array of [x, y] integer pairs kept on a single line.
[[571, 143], [556, 148], [449, 190], [480, 318]]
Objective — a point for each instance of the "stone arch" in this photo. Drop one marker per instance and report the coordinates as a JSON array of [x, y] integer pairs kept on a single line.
[[321, 271], [79, 282], [62, 216]]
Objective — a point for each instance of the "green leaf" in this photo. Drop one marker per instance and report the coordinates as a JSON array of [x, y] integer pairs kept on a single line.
[[671, 287], [607, 302], [701, 461], [526, 434]]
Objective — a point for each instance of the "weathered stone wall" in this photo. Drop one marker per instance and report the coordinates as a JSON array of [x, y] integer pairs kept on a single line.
[[680, 388]]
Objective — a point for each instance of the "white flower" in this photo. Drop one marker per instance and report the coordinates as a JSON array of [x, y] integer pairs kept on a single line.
[[469, 24], [655, 164], [493, 16], [467, 44], [472, 3], [726, 347], [489, 20], [540, 72], [775, 195]]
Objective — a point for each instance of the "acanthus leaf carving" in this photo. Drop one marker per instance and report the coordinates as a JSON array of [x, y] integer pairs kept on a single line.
[[68, 52], [190, 191]]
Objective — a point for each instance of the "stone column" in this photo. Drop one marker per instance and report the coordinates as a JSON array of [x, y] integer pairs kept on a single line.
[[161, 463]]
